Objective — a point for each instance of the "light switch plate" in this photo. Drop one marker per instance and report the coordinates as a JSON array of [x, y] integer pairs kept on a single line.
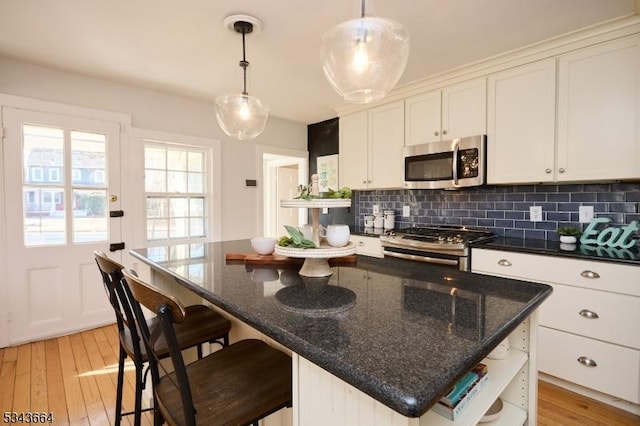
[[535, 213], [585, 214], [376, 209], [406, 211]]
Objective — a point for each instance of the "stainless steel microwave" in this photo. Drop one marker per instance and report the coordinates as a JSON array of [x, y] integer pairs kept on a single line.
[[448, 164]]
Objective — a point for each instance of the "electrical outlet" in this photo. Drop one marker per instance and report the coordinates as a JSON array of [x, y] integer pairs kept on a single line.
[[376, 209], [325, 210], [585, 214], [406, 211], [535, 213]]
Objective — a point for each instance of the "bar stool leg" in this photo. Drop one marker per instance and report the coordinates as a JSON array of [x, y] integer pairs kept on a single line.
[[121, 359], [138, 403]]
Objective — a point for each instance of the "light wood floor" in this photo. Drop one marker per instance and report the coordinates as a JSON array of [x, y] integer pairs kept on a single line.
[[74, 377]]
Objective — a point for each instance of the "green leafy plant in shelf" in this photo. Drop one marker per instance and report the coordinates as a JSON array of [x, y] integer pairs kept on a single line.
[[295, 239], [569, 231], [304, 193]]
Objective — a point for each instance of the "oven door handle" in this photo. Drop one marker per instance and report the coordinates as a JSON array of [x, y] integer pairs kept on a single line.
[[421, 258]]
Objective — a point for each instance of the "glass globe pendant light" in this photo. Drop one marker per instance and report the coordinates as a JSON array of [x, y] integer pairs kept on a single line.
[[241, 115], [364, 58]]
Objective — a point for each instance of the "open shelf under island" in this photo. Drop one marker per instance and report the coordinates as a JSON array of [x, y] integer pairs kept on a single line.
[[387, 346]]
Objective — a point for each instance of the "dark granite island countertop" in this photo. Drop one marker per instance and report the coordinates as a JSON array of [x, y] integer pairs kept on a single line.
[[399, 331]]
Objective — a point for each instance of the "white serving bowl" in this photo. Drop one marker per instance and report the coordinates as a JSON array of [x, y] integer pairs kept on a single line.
[[263, 245]]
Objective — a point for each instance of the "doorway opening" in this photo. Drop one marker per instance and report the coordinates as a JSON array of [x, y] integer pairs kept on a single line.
[[282, 172]]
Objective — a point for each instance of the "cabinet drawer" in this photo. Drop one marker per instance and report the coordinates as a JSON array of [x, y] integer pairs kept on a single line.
[[368, 246], [616, 371], [606, 276], [601, 315]]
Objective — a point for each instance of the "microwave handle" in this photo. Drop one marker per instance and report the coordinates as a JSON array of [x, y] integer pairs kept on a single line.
[[456, 148]]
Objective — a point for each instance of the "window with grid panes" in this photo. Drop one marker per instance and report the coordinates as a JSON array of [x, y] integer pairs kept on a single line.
[[175, 188]]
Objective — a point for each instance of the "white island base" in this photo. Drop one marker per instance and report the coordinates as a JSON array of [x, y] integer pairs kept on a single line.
[[322, 399]]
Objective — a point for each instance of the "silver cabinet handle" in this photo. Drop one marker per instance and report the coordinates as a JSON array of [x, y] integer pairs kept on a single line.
[[588, 314], [547, 171], [444, 132], [587, 361], [436, 133], [590, 274], [504, 262], [561, 170]]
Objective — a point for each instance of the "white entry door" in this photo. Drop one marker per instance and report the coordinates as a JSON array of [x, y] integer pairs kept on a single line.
[[62, 179]]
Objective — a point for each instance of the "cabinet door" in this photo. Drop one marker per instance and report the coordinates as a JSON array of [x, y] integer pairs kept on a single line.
[[353, 150], [386, 139], [599, 112], [464, 109], [521, 124], [422, 118]]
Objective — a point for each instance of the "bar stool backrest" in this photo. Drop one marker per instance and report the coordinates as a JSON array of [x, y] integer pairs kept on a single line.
[[121, 300], [169, 311]]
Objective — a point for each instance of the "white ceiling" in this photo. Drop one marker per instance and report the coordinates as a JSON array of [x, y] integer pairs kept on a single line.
[[181, 46]]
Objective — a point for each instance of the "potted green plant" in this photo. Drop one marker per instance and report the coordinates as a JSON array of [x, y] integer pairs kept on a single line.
[[569, 234]]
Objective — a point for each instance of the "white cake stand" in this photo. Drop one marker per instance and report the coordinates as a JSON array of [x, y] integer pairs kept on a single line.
[[316, 262]]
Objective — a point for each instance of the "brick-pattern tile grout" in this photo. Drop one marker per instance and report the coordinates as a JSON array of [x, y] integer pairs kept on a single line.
[[505, 209]]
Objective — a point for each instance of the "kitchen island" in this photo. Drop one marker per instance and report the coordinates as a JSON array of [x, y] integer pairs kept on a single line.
[[381, 338]]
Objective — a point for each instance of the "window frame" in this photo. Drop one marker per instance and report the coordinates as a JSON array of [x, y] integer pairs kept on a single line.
[[212, 184]]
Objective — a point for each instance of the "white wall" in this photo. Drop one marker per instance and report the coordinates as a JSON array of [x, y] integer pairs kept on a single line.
[[165, 112]]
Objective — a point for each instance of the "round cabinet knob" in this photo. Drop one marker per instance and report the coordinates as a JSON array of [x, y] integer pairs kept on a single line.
[[436, 133], [364, 181], [586, 313], [361, 243], [504, 262], [444, 132], [561, 170], [369, 181], [587, 361], [547, 171]]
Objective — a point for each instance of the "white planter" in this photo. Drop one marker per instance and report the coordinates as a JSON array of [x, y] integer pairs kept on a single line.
[[568, 239]]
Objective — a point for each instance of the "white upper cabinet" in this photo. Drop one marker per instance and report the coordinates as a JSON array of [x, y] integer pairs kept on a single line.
[[422, 118], [521, 124], [371, 147], [599, 112], [453, 112], [353, 146]]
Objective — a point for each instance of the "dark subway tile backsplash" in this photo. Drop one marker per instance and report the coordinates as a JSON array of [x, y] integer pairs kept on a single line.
[[505, 209]]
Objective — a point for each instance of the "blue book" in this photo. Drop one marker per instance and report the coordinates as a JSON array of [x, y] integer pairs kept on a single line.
[[463, 385]]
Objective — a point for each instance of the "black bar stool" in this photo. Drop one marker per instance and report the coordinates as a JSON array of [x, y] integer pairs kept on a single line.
[[237, 385], [201, 325]]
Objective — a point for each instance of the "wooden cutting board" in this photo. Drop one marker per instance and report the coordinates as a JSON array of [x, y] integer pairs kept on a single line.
[[257, 259]]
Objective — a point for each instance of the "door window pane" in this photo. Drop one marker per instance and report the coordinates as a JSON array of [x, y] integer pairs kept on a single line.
[[90, 218], [43, 203], [46, 197], [90, 194], [44, 219]]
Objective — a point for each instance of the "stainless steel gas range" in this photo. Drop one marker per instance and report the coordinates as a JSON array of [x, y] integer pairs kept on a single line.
[[443, 245]]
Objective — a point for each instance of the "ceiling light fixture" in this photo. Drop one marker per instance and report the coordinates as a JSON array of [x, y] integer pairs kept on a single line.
[[241, 115], [364, 58]]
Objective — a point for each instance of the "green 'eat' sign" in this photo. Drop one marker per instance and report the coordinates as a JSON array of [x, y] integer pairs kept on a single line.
[[612, 236]]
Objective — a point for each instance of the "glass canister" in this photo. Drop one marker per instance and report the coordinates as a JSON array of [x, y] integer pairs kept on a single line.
[[389, 219]]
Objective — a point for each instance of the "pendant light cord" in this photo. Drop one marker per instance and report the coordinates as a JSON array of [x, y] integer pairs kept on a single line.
[[244, 28], [244, 64], [362, 8]]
